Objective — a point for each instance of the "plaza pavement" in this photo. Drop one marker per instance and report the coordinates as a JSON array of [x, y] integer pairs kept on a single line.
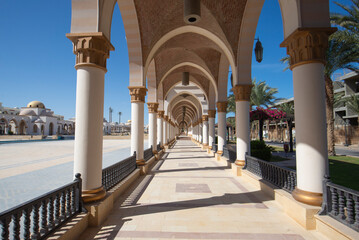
[[28, 170], [189, 195]]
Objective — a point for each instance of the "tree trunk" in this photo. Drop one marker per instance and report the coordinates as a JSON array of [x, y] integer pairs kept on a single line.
[[329, 96], [290, 128], [260, 129]]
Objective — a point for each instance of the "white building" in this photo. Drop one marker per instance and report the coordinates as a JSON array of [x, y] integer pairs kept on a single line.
[[34, 119]]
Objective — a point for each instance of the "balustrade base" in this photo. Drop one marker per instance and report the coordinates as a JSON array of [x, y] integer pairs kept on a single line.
[[310, 198], [93, 195]]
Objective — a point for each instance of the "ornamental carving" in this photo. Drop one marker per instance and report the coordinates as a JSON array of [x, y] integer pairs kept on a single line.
[[242, 92], [212, 113], [222, 106], [91, 48], [165, 118], [205, 118], [152, 107], [307, 45], [160, 114], [200, 121], [137, 93]]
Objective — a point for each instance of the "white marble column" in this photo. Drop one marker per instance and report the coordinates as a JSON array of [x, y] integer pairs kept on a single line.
[[310, 112], [242, 95], [160, 128], [205, 130], [138, 94], [165, 130], [89, 111], [222, 125], [152, 124], [211, 130]]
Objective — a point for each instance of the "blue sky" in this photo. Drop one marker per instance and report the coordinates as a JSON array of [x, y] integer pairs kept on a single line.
[[37, 63]]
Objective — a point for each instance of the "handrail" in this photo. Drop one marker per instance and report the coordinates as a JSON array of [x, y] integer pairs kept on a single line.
[[39, 217], [115, 173], [282, 177], [341, 203]]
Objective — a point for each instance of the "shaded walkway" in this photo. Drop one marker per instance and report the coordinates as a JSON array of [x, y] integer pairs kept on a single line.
[[189, 195]]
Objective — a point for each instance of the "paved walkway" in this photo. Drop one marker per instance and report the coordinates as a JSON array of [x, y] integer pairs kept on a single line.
[[189, 195]]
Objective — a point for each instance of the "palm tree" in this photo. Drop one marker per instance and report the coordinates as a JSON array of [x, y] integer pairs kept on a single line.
[[288, 108], [262, 94]]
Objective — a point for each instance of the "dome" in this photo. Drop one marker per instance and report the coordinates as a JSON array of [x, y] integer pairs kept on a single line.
[[27, 112], [36, 104]]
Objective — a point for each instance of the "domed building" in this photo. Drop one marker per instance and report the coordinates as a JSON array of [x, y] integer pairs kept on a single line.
[[34, 119]]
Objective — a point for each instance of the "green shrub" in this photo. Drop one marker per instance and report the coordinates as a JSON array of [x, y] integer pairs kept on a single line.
[[10, 133], [260, 150]]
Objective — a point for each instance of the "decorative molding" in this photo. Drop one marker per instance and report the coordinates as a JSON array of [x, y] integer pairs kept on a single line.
[[152, 107], [222, 106], [138, 93], [242, 92], [310, 198], [205, 118], [160, 114], [165, 117], [212, 113], [307, 45], [91, 49]]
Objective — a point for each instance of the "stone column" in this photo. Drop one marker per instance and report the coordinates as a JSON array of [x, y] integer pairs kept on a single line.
[[160, 128], [222, 125], [138, 94], [211, 130], [205, 130], [242, 94], [91, 50], [165, 132], [306, 48], [152, 131]]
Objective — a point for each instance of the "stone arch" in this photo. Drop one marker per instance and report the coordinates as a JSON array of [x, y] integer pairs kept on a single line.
[[223, 45], [42, 129], [51, 128], [35, 129], [22, 127], [187, 91]]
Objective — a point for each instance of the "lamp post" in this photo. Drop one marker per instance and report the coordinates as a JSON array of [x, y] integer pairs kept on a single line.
[[346, 132]]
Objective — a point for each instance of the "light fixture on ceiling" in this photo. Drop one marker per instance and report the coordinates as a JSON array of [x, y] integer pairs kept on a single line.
[[192, 11], [185, 78], [258, 51]]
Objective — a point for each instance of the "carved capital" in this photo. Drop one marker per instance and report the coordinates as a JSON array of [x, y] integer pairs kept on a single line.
[[242, 92], [205, 118], [152, 107], [165, 117], [212, 113], [307, 45], [137, 93], [222, 106], [160, 114], [91, 49], [200, 121]]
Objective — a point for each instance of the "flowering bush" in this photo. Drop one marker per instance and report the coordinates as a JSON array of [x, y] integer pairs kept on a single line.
[[264, 114]]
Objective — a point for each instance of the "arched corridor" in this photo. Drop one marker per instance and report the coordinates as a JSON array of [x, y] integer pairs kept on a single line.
[[190, 195]]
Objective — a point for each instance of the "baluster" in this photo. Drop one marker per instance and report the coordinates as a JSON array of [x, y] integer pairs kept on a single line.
[[35, 225], [341, 214], [285, 180], [51, 213], [334, 197], [16, 228], [356, 207], [5, 228], [68, 202], [73, 200], [44, 215], [63, 205], [27, 223], [57, 209], [350, 208]]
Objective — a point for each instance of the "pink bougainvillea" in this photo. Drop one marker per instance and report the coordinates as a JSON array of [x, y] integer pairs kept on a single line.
[[268, 113]]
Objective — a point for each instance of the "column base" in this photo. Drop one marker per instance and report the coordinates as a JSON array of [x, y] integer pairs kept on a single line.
[[140, 162], [310, 198], [220, 152], [210, 147], [93, 195], [240, 163], [154, 151]]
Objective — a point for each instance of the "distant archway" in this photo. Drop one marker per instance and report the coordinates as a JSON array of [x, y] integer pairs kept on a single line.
[[22, 128], [42, 130], [51, 129], [34, 129]]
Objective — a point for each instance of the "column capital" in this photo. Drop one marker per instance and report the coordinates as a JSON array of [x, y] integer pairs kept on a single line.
[[200, 121], [307, 45], [205, 118], [165, 117], [152, 107], [222, 106], [212, 113], [91, 49], [160, 113], [137, 93], [242, 92]]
